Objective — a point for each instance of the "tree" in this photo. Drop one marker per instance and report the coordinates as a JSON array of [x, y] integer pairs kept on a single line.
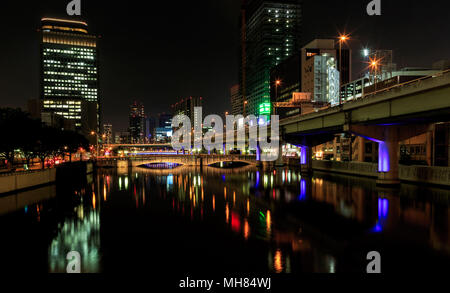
[[14, 128]]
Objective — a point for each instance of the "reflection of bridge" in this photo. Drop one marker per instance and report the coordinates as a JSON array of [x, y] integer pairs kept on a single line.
[[186, 160], [386, 117]]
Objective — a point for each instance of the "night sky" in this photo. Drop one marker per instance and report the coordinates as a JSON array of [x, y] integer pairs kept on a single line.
[[160, 51]]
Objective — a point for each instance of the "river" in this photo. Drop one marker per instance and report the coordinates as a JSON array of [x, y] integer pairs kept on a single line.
[[227, 220]]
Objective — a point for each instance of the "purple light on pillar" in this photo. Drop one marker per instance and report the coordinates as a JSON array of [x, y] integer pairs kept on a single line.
[[258, 152], [383, 157], [303, 156]]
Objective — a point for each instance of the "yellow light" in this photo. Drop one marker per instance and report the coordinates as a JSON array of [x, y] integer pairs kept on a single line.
[[278, 82], [246, 229], [278, 265], [63, 20], [93, 200], [343, 38], [227, 213], [268, 221]]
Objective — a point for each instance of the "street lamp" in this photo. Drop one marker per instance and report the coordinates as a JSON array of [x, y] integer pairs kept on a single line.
[[245, 105], [374, 63], [277, 83], [96, 141], [342, 39]]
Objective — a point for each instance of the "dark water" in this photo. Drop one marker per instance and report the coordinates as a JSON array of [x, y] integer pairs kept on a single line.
[[225, 220]]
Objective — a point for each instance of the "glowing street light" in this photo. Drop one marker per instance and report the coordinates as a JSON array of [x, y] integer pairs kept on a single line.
[[366, 52], [96, 138], [342, 39], [277, 84], [374, 63]]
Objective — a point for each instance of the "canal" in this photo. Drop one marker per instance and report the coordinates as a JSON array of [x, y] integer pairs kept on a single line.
[[227, 220]]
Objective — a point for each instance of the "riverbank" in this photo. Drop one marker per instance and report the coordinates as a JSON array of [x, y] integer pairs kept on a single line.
[[19, 181], [416, 174]]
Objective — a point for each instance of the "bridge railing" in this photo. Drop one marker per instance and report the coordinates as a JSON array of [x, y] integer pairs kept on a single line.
[[366, 96], [411, 82]]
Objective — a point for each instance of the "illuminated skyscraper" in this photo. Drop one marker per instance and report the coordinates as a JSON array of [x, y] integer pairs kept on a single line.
[[137, 123], [187, 106], [69, 84], [270, 33]]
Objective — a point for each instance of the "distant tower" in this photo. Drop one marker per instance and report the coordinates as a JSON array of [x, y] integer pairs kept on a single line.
[[69, 77], [108, 134], [137, 123]]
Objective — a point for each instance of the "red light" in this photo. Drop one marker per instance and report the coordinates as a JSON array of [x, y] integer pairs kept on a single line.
[[235, 222]]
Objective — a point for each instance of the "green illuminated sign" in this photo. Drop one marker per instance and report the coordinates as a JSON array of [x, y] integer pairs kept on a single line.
[[264, 109]]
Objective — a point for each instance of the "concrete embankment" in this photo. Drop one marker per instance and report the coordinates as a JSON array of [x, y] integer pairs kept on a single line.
[[418, 174], [17, 181]]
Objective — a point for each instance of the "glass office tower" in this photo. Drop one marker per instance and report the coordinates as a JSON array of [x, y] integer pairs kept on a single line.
[[69, 74], [272, 34]]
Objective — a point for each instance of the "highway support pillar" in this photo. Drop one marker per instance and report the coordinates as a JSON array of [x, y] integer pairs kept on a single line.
[[388, 137], [306, 160], [388, 161]]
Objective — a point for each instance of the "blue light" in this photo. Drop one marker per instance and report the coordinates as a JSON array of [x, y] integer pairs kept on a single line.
[[223, 177], [257, 179], [378, 228], [303, 156], [258, 152], [383, 157], [170, 179], [383, 211], [302, 195], [383, 208]]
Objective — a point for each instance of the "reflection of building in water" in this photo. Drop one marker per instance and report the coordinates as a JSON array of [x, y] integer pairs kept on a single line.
[[82, 234]]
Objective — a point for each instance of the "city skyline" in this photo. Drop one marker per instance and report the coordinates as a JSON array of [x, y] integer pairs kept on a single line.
[[123, 79], [269, 138]]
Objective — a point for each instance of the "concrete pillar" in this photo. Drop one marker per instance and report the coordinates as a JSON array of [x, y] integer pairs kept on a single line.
[[306, 160], [279, 162], [361, 148], [429, 150], [388, 160]]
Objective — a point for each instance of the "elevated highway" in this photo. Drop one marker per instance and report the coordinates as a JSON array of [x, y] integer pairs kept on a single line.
[[386, 117]]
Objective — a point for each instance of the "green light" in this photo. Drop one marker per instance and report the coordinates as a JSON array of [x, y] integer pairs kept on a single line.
[[264, 109]]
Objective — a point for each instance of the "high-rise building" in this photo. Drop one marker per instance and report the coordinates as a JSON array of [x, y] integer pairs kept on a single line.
[[150, 126], [108, 137], [69, 83], [163, 129], [236, 101], [186, 107], [322, 74], [270, 33], [137, 123]]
